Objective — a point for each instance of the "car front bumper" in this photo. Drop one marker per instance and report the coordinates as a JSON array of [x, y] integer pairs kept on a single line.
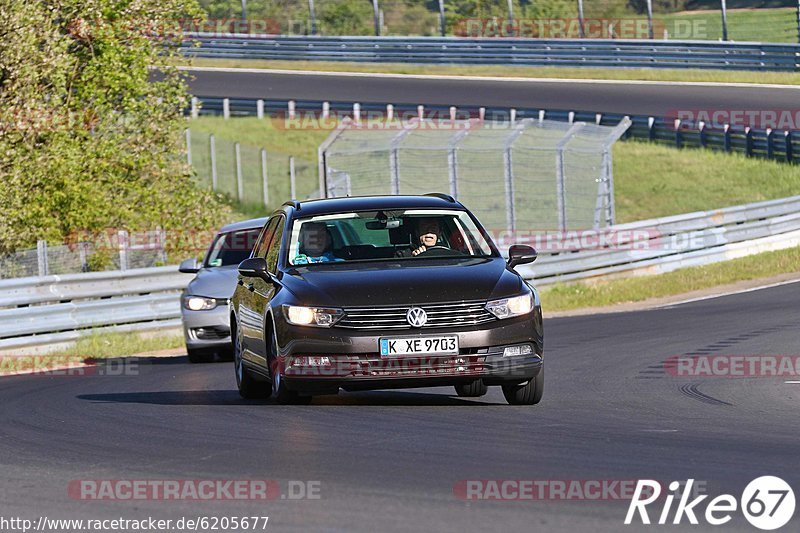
[[207, 330], [353, 361]]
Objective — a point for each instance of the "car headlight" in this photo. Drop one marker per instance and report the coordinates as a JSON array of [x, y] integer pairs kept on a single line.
[[508, 307], [311, 316], [199, 303]]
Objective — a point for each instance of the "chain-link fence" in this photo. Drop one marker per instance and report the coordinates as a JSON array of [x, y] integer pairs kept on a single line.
[[112, 251], [528, 174], [249, 175], [736, 20]]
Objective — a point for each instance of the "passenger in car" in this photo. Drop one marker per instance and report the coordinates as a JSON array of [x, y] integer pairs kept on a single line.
[[315, 244]]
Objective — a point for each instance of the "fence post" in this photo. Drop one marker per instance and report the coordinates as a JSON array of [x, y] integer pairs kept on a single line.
[[41, 256], [581, 27], [678, 136], [312, 17], [212, 147], [511, 13], [702, 127], [226, 108], [264, 178], [239, 182], [727, 128], [798, 21], [650, 19], [195, 107], [508, 175], [724, 7], [442, 28], [82, 249], [260, 108], [189, 146], [376, 16], [748, 141], [122, 237], [292, 178], [769, 143]]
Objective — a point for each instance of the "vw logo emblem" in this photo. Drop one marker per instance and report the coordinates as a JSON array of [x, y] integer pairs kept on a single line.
[[417, 317]]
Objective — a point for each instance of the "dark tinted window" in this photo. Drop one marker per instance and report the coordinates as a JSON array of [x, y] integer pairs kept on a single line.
[[232, 248], [266, 238]]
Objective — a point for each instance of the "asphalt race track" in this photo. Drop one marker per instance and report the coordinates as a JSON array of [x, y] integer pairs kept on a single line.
[[608, 97], [390, 460]]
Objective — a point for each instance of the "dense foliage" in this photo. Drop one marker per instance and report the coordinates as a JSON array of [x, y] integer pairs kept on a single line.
[[87, 141]]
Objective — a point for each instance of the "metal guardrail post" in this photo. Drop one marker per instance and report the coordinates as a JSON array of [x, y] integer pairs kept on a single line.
[[788, 137], [41, 258], [239, 180], [260, 108], [264, 178], [748, 141], [226, 108], [769, 143], [678, 136], [212, 147], [727, 138]]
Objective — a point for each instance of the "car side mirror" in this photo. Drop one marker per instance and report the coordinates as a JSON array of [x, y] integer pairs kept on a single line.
[[189, 266], [255, 267], [521, 254]]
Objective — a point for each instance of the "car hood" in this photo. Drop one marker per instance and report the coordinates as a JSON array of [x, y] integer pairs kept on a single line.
[[214, 282], [401, 283]]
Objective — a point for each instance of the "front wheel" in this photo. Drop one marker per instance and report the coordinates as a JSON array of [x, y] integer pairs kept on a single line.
[[283, 395], [529, 393], [249, 387]]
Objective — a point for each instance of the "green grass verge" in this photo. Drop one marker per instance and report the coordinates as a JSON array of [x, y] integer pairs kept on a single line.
[[564, 297], [650, 180], [508, 71], [105, 345], [778, 25]]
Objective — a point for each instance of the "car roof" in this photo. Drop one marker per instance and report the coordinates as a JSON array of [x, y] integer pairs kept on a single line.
[[368, 203], [244, 224]]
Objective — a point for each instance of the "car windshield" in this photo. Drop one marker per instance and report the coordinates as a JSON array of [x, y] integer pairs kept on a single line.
[[406, 234], [231, 248]]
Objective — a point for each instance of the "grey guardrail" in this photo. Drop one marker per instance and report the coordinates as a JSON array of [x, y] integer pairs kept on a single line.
[[53, 309], [533, 52]]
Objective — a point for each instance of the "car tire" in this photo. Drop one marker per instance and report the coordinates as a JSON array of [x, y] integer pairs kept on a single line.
[[250, 388], [529, 393], [199, 355], [283, 395], [474, 389]]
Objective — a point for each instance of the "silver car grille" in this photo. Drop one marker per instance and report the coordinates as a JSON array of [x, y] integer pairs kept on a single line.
[[446, 315]]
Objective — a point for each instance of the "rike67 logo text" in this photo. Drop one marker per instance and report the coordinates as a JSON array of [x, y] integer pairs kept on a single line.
[[767, 503]]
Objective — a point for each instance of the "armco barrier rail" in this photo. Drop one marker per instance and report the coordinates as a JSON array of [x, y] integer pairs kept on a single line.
[[769, 144], [53, 309], [533, 52]]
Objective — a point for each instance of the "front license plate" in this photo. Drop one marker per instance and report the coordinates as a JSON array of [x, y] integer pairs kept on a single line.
[[394, 346]]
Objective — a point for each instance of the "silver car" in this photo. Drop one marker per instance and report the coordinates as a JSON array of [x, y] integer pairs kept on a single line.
[[204, 302]]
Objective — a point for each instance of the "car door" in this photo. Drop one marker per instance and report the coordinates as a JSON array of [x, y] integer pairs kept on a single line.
[[264, 290], [251, 321]]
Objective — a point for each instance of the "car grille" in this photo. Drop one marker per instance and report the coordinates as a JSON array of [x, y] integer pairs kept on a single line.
[[447, 315]]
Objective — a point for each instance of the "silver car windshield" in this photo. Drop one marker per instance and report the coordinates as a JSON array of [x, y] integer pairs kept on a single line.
[[406, 234]]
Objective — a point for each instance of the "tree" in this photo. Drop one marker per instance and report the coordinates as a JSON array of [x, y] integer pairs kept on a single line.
[[87, 140]]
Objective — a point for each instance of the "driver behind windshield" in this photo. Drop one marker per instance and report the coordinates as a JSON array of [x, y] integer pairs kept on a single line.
[[315, 244], [428, 234]]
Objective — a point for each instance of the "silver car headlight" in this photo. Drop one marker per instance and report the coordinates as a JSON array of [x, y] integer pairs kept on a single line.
[[510, 307], [311, 316], [199, 303]]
